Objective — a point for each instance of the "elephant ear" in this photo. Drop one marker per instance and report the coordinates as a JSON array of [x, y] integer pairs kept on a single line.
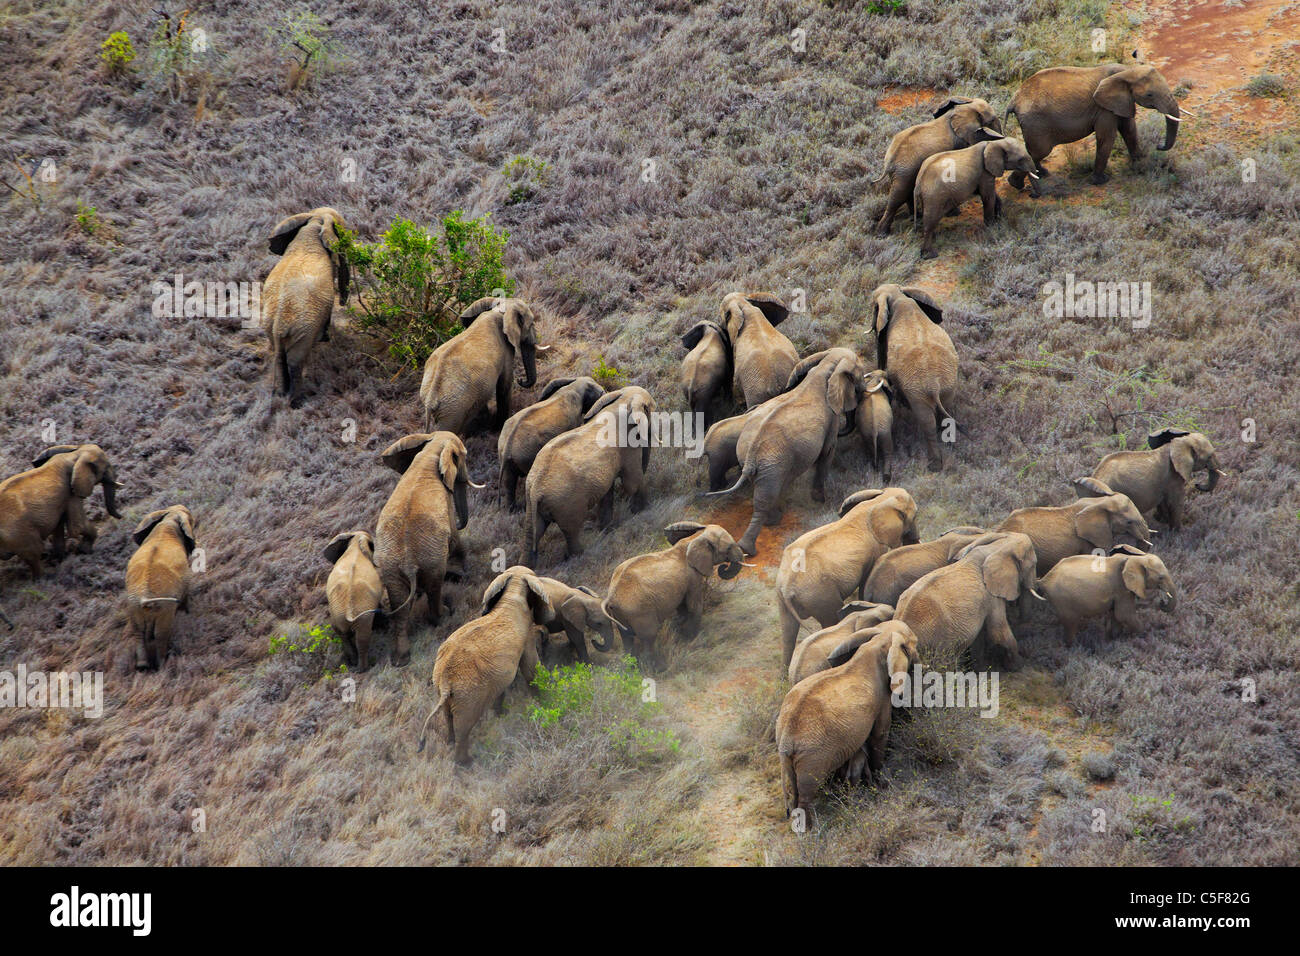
[[1181, 458], [842, 386], [803, 367], [477, 308], [185, 522], [1092, 524], [888, 523], [1001, 574], [1165, 436], [147, 524], [609, 398], [966, 126], [399, 455], [902, 653], [50, 452], [1089, 487], [451, 461], [517, 324], [285, 230], [493, 592], [86, 469], [995, 158], [1115, 93], [928, 305], [1127, 549], [682, 529], [855, 499], [539, 601], [1135, 577], [882, 612], [846, 648], [338, 544], [329, 236], [700, 554], [953, 101], [982, 541], [694, 334], [772, 307], [553, 386]]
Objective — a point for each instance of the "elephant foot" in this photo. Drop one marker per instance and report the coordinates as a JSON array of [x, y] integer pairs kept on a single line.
[[1099, 179], [749, 547], [881, 231]]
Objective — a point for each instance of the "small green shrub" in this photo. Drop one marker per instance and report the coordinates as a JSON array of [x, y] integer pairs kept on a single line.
[[414, 282], [174, 50], [527, 175], [315, 643], [609, 377], [886, 7], [117, 52], [1266, 84], [303, 34], [87, 218]]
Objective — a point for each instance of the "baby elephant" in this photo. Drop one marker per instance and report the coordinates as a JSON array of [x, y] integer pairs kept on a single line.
[[356, 594], [706, 370], [577, 611], [948, 179], [647, 590], [830, 719], [1087, 586], [477, 664], [563, 403], [158, 581], [812, 654]]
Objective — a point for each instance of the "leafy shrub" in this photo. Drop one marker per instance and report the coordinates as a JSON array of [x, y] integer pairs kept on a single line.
[[527, 175], [87, 218], [609, 377], [117, 52], [414, 283], [302, 33], [1266, 84], [173, 53], [315, 644], [886, 7]]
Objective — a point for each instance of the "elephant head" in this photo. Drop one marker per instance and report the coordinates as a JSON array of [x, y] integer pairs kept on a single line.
[[341, 542], [971, 120], [637, 400], [845, 385], [591, 610], [710, 546], [89, 467], [738, 309], [1189, 452], [180, 517], [1007, 561], [900, 657], [697, 331], [1121, 93], [1147, 577], [1007, 153], [538, 603], [590, 390], [326, 222], [518, 325], [1112, 515], [447, 457], [877, 380], [892, 519]]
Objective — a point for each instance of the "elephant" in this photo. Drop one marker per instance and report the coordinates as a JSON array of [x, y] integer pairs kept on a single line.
[[949, 608], [465, 373], [812, 654], [707, 368], [824, 567], [1086, 586], [948, 179], [829, 719], [356, 594], [47, 500], [959, 123], [898, 569], [298, 295], [645, 591], [577, 611], [875, 421], [721, 438], [763, 358], [918, 358], [158, 581], [563, 403], [577, 469], [416, 537], [799, 432], [1063, 104], [1081, 526], [477, 664], [1156, 480]]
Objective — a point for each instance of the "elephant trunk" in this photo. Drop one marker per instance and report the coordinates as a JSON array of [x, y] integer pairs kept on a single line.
[[529, 355], [1171, 126], [606, 634], [850, 424], [1211, 477], [110, 496]]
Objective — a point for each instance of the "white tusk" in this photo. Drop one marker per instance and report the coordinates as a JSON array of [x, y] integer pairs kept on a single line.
[[1152, 531], [1184, 111], [473, 485], [542, 348], [745, 564], [1221, 472], [1037, 595], [1176, 119], [1035, 175]]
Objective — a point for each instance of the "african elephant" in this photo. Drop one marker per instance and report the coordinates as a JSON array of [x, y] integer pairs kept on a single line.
[[416, 537], [47, 500], [563, 403], [959, 123], [798, 433], [1156, 479], [464, 374], [1081, 526], [707, 368], [721, 438], [828, 719], [875, 420], [356, 594], [577, 611], [298, 295], [1063, 104], [947, 180], [158, 581], [897, 570], [577, 470], [1086, 586], [763, 358], [918, 357], [949, 608], [645, 591], [477, 664], [812, 654], [823, 568]]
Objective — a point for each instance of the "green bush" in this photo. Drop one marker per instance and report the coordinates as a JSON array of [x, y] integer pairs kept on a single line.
[[315, 644], [526, 175], [1266, 84], [117, 52], [413, 284], [303, 34], [609, 377], [87, 218]]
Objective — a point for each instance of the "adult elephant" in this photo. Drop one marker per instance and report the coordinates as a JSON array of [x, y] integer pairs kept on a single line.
[[947, 180], [48, 499], [707, 368], [897, 570], [949, 608], [721, 438], [158, 581], [417, 534], [1114, 587], [563, 403], [958, 123], [824, 567], [799, 433], [919, 358], [467, 372], [1063, 104], [298, 295], [577, 470], [1083, 526], [1156, 479], [763, 357]]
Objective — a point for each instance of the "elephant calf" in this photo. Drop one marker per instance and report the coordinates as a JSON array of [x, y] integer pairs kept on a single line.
[[477, 664], [707, 368], [897, 570], [1156, 479], [563, 403], [812, 654], [1087, 586], [842, 715], [875, 420], [356, 594], [1081, 526], [947, 180], [158, 581], [577, 611], [824, 567], [647, 590]]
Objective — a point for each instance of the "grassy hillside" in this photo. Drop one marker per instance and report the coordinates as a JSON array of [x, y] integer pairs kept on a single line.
[[761, 160]]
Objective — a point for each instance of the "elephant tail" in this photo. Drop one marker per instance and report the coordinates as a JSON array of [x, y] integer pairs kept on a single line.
[[412, 579], [1006, 117], [444, 701], [938, 403], [916, 202], [283, 378], [746, 476], [789, 783]]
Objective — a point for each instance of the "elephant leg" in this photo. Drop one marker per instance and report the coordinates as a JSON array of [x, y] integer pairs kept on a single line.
[[78, 528], [361, 642], [1174, 499], [1105, 142], [466, 720], [875, 745], [692, 613], [572, 530], [605, 510], [59, 539], [884, 452], [349, 647], [765, 506], [929, 226], [539, 525], [927, 419], [998, 631], [1129, 130], [899, 196], [789, 633], [431, 585], [499, 705], [821, 468], [510, 485], [503, 400], [578, 641], [807, 785], [1069, 629], [1125, 613], [989, 199]]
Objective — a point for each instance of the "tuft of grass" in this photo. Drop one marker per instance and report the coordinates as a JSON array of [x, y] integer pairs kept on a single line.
[[1267, 85]]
